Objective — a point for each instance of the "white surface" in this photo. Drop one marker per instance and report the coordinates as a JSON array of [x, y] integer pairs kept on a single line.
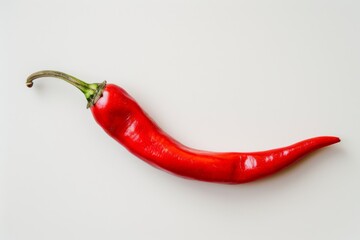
[[216, 75]]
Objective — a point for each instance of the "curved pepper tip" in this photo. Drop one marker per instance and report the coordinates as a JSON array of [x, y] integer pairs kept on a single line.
[[329, 140], [336, 139]]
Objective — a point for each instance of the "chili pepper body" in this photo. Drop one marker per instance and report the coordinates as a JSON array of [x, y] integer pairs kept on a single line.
[[124, 120]]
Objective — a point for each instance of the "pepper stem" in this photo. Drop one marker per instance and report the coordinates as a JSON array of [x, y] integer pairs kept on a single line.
[[92, 91]]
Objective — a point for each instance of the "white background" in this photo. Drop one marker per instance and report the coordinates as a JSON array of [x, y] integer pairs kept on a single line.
[[216, 75]]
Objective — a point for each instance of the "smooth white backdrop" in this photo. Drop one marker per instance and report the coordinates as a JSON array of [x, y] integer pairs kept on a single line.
[[216, 75]]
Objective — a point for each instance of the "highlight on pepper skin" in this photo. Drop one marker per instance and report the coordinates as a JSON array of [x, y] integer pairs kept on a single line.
[[123, 119]]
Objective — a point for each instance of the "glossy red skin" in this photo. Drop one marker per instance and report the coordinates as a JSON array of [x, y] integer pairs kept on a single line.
[[124, 120]]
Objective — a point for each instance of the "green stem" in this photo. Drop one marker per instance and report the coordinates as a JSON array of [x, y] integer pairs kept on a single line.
[[92, 91]]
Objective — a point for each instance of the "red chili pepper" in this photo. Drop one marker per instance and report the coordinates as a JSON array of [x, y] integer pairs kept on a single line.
[[124, 120]]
